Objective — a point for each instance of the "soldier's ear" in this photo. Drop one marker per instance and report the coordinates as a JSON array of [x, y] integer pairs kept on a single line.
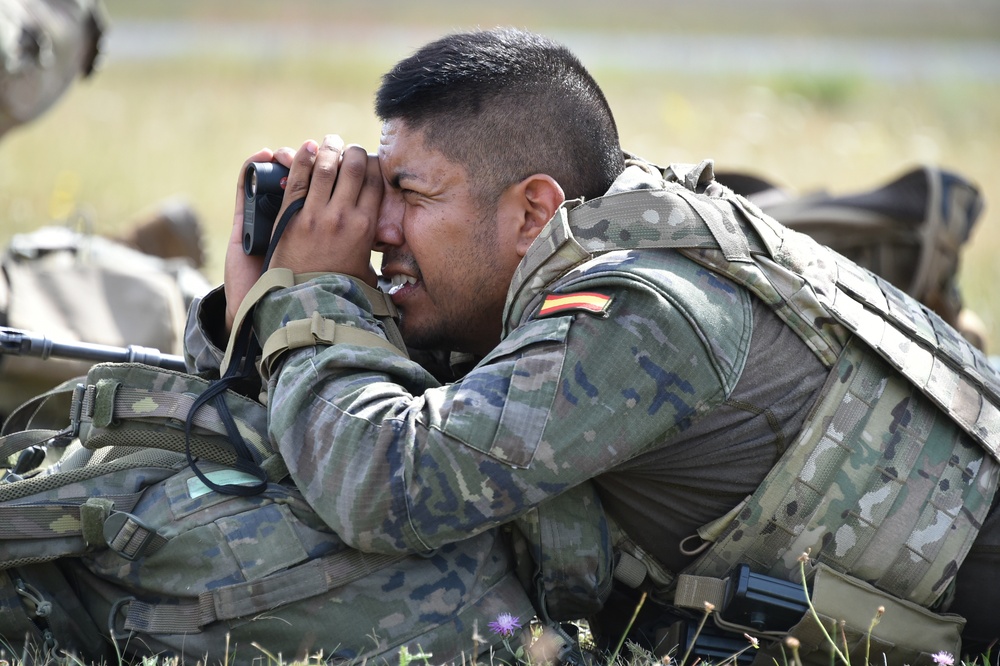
[[539, 197]]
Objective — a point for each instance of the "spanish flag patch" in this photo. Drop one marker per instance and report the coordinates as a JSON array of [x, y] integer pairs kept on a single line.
[[583, 301]]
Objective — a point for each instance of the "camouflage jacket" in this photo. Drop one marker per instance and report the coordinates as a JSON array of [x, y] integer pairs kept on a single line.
[[439, 603], [395, 462], [609, 355]]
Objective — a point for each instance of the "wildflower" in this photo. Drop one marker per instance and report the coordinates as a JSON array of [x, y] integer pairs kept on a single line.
[[753, 641], [943, 658], [505, 625], [709, 607]]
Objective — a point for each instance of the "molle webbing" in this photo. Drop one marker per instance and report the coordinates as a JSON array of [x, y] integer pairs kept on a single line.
[[904, 475], [124, 403], [932, 355], [818, 293], [857, 476]]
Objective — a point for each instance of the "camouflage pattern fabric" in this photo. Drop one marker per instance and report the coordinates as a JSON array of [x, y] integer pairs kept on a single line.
[[903, 474], [396, 463], [425, 464], [183, 570], [419, 465]]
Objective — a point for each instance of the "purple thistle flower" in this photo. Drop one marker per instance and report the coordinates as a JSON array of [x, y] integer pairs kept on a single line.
[[943, 658], [505, 625]]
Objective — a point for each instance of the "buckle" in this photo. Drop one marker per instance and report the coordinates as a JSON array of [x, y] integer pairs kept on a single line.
[[76, 410], [120, 606], [128, 536]]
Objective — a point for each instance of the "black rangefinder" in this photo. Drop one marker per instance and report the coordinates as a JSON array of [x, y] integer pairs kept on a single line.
[[263, 188]]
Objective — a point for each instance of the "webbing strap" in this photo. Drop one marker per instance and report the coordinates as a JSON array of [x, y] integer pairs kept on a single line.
[[272, 280], [315, 331], [25, 416], [696, 591], [385, 311], [381, 302], [40, 521], [130, 537], [253, 597], [160, 404], [16, 442], [60, 521], [629, 570], [309, 332], [734, 245]]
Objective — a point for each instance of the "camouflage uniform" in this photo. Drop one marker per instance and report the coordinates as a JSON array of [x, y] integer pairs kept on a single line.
[[436, 601], [639, 369]]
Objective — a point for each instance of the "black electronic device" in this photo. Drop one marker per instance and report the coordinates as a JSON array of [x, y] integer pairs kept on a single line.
[[763, 602], [263, 190]]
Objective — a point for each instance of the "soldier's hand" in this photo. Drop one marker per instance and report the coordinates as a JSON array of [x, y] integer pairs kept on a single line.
[[335, 230], [242, 271]]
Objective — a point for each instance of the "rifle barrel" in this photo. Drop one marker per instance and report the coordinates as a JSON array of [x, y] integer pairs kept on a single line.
[[22, 343]]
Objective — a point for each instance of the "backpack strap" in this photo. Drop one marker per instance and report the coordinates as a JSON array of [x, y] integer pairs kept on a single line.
[[124, 403], [250, 598], [32, 426], [42, 530]]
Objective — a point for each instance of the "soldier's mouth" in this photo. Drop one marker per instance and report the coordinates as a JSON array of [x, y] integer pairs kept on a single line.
[[399, 281], [401, 285]]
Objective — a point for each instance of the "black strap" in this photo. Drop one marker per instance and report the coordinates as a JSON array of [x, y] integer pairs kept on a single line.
[[246, 348]]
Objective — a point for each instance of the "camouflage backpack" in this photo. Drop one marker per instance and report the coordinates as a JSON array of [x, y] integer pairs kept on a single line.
[[125, 545]]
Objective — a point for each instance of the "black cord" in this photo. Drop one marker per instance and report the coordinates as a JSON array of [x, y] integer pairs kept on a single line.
[[245, 350]]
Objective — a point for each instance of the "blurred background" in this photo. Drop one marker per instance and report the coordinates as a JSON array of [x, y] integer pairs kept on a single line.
[[836, 95]]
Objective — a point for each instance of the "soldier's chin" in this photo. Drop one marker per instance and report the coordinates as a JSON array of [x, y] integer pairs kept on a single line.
[[417, 337]]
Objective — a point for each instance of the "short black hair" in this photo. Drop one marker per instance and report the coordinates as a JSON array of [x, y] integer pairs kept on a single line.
[[507, 104]]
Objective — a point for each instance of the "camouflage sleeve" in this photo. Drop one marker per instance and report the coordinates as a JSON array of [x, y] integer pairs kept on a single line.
[[394, 462], [203, 332]]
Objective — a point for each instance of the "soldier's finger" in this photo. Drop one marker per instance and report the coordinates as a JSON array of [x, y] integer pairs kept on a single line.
[[325, 169], [300, 172], [284, 156], [353, 170], [371, 191]]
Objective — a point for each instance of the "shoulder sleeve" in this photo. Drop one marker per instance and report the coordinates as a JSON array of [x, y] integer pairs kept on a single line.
[[203, 331]]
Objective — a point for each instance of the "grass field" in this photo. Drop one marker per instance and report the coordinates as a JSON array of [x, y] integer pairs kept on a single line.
[[188, 89]]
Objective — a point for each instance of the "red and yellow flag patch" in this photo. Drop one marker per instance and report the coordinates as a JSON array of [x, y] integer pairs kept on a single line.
[[582, 301]]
